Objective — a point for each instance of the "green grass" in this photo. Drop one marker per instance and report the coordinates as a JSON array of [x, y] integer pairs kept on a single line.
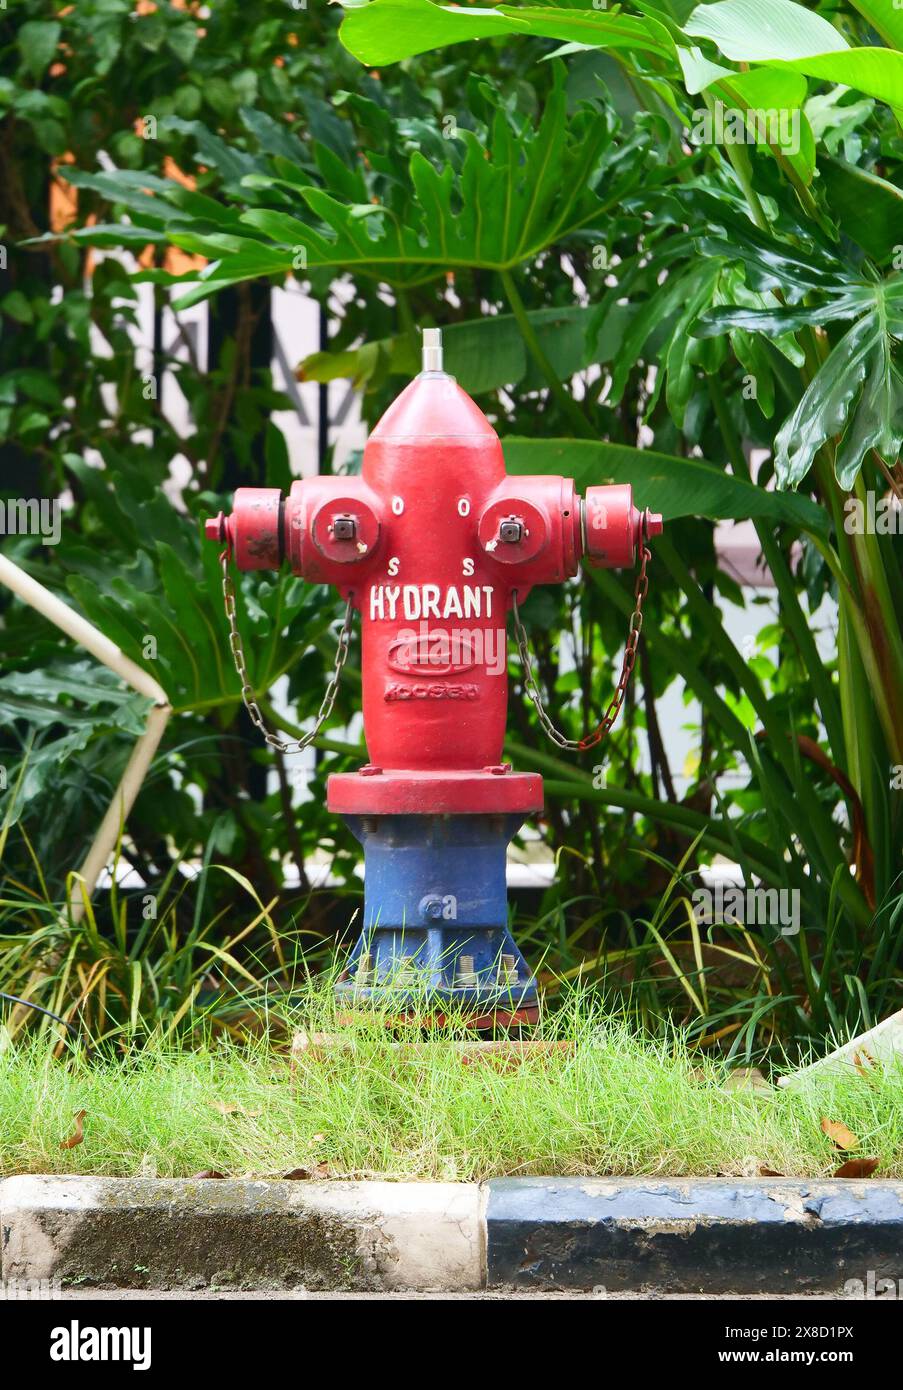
[[620, 1103]]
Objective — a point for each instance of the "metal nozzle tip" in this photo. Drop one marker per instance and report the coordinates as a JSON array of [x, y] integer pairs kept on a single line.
[[432, 350]]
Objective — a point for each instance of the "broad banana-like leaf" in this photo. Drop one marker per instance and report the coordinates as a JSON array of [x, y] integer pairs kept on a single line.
[[385, 31], [781, 33], [774, 32], [885, 17], [482, 354], [769, 101], [676, 487], [755, 31]]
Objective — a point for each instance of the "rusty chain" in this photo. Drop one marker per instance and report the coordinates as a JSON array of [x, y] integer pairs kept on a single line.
[[630, 653], [247, 690]]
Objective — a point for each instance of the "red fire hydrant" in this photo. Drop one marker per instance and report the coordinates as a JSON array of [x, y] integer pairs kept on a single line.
[[433, 543]]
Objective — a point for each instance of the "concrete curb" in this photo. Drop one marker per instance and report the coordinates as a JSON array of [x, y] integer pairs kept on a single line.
[[185, 1232], [693, 1235], [673, 1235]]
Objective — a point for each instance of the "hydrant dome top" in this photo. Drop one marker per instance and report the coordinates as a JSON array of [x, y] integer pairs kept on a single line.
[[433, 406]]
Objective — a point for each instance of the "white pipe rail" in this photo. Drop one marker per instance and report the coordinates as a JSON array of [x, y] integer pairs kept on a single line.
[[86, 635]]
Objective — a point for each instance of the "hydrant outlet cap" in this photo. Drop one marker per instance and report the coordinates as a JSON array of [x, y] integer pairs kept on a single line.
[[214, 527], [654, 523]]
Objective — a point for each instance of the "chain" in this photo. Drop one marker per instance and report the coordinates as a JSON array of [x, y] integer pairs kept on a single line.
[[617, 700], [247, 690]]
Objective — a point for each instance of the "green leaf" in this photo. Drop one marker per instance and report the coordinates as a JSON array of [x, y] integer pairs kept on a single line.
[[782, 33], [676, 487], [867, 207], [386, 31], [182, 40], [30, 382], [507, 200], [489, 198], [37, 40], [682, 354], [16, 306], [771, 100], [754, 31], [876, 71], [482, 354], [647, 319], [849, 304], [857, 394], [885, 17], [836, 121]]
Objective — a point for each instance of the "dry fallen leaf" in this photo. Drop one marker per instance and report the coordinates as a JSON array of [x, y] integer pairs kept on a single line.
[[857, 1168], [75, 1139], [864, 1062], [769, 1173], [839, 1134], [208, 1173], [226, 1109], [745, 1079], [320, 1170]]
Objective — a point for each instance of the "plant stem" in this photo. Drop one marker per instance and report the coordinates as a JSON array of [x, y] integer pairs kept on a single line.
[[791, 608], [560, 393]]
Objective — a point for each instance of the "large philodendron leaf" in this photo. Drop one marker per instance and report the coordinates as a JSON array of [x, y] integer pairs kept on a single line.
[[416, 206], [509, 198], [676, 487], [855, 396]]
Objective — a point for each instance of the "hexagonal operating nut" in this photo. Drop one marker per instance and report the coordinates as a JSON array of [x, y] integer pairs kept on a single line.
[[431, 907], [344, 528], [511, 531]]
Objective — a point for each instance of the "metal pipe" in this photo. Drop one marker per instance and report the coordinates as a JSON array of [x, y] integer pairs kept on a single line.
[[86, 635], [432, 350], [80, 630]]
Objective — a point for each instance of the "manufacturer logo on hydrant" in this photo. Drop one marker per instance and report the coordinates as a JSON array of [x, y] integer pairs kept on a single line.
[[432, 652]]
